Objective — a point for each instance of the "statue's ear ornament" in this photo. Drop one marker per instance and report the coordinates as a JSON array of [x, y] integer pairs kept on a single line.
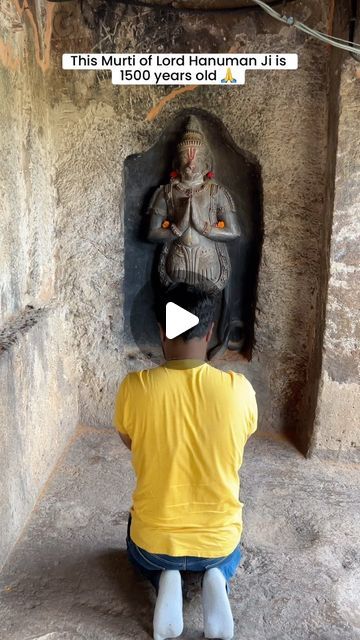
[[210, 175], [173, 174]]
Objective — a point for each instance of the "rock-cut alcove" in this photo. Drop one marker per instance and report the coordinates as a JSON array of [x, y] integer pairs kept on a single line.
[[236, 170]]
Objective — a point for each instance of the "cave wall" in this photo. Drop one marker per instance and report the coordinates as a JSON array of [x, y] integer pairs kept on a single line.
[[278, 117], [38, 399]]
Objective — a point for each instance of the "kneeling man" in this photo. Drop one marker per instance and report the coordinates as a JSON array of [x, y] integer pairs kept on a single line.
[[186, 424]]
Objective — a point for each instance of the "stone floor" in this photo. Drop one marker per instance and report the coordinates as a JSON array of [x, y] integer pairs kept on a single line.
[[68, 577]]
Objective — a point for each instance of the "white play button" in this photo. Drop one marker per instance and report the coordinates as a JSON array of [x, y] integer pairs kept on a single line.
[[178, 320]]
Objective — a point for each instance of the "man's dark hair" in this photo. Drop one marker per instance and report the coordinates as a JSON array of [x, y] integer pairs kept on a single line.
[[198, 302]]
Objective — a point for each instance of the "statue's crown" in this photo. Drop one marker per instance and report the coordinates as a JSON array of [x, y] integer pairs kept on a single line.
[[193, 136]]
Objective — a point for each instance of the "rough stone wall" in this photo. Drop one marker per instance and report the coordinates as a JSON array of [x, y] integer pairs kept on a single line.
[[38, 398], [38, 412], [279, 117], [340, 29], [336, 431], [26, 223]]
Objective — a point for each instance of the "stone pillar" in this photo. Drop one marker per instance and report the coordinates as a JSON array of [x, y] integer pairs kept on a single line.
[[336, 429]]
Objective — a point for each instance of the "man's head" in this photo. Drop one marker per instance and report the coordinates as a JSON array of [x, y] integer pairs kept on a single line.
[[193, 342]]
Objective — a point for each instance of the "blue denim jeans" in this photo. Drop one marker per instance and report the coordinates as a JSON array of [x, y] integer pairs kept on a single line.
[[151, 565]]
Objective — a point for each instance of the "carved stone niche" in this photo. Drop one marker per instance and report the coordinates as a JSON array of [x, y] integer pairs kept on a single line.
[[236, 176]]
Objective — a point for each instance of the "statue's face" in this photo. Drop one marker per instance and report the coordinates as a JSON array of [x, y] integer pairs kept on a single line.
[[192, 163]]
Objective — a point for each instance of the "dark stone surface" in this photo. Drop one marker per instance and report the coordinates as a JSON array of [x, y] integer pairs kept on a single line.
[[240, 174]]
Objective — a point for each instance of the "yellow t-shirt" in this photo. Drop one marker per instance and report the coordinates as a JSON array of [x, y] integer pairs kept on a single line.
[[188, 423]]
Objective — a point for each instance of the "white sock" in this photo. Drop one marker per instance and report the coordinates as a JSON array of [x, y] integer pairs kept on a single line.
[[218, 620], [168, 616]]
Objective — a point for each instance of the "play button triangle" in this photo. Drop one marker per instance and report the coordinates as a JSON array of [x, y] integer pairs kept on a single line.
[[178, 320]]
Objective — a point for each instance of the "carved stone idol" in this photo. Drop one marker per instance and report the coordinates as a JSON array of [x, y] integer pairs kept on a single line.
[[194, 217]]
